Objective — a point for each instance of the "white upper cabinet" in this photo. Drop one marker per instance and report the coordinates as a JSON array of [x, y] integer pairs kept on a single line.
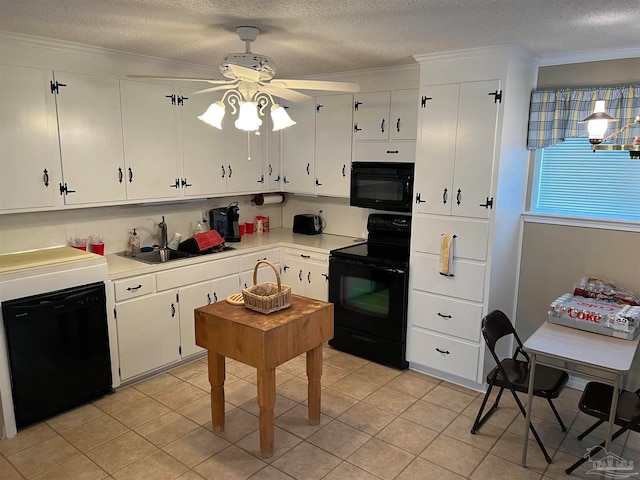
[[272, 158], [91, 146], [203, 148], [151, 127], [456, 153], [333, 145], [243, 164], [29, 156], [371, 116], [298, 149], [404, 114]]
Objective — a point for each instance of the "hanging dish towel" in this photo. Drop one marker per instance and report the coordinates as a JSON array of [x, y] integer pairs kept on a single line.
[[446, 253]]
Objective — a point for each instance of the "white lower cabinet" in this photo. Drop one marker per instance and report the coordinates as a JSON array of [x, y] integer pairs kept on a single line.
[[444, 354], [148, 335], [307, 273], [195, 296]]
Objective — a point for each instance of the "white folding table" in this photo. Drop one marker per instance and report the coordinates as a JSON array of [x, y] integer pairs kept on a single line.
[[602, 358]]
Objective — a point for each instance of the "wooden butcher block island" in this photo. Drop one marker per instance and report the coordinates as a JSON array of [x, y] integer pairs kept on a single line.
[[264, 342]]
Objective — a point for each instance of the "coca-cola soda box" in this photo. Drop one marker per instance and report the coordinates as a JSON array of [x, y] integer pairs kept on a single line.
[[593, 315]]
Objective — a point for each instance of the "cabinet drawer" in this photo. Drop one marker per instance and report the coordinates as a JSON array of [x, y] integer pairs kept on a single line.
[[385, 151], [445, 315], [249, 259], [133, 287], [303, 255], [467, 282], [470, 242], [178, 277], [456, 357]]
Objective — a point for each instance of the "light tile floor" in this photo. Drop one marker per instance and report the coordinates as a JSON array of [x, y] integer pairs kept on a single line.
[[376, 423]]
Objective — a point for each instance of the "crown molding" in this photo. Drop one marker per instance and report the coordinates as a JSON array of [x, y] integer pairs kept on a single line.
[[592, 56]]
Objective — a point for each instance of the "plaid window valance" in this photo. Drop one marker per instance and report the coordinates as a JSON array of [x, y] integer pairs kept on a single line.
[[555, 114]]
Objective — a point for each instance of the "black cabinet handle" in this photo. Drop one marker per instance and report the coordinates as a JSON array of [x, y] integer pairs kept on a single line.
[[382, 126], [270, 169], [45, 177], [459, 197], [134, 289], [356, 105], [444, 316], [230, 171], [393, 151], [215, 297], [444, 196], [488, 203], [308, 277], [120, 175], [318, 107], [446, 352], [173, 310], [308, 165], [208, 299], [447, 274], [130, 175], [64, 189], [260, 259], [398, 125], [305, 256], [344, 167], [277, 179], [223, 171], [300, 275]]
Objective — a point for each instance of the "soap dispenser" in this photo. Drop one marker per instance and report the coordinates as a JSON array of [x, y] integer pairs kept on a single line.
[[135, 242]]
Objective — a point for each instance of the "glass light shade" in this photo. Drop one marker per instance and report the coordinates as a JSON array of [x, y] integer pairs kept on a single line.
[[213, 115], [597, 123], [248, 119], [280, 117]]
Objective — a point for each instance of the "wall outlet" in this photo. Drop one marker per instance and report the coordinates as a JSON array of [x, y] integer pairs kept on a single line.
[[70, 234]]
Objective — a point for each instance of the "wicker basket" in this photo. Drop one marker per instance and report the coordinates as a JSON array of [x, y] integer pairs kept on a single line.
[[266, 297]]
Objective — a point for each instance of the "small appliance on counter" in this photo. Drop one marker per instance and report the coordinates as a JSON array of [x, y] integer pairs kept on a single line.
[[225, 221], [308, 224]]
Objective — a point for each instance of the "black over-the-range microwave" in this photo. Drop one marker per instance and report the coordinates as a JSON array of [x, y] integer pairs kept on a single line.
[[382, 185]]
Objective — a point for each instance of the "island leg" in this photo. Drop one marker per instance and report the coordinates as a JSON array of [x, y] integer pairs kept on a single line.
[[266, 402], [314, 373], [216, 379]]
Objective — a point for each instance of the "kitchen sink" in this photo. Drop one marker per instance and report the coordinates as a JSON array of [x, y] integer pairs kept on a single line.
[[156, 256]]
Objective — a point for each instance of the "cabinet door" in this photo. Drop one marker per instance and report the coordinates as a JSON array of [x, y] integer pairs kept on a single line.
[[203, 148], [294, 274], [221, 288], [475, 148], [29, 158], [404, 114], [191, 297], [371, 116], [317, 280], [90, 126], [298, 149], [148, 334], [150, 118], [436, 149], [333, 145], [271, 157], [244, 160]]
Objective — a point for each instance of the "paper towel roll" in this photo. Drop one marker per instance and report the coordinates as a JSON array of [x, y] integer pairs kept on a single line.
[[268, 199]]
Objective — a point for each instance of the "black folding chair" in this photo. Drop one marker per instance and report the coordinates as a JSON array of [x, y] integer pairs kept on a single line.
[[596, 402], [513, 373]]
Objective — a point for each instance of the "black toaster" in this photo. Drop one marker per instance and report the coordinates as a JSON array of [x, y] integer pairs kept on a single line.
[[307, 223]]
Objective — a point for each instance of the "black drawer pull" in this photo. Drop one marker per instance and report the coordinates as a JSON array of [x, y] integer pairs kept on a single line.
[[447, 274], [305, 256], [446, 352], [444, 316], [393, 151], [134, 289]]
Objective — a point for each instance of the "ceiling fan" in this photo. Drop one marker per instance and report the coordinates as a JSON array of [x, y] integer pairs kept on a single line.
[[251, 80]]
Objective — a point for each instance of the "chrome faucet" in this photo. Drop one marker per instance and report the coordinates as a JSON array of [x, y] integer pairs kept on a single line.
[[163, 234]]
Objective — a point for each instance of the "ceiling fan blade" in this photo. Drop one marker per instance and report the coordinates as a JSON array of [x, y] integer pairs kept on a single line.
[[213, 89], [182, 79], [244, 73], [285, 93], [316, 85]]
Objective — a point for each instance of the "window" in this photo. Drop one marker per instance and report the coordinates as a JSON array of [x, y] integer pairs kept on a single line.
[[570, 179]]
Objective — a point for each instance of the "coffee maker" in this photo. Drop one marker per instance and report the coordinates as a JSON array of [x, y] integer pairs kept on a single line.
[[225, 221]]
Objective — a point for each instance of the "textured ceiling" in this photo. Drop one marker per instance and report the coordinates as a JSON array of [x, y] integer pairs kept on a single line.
[[306, 37]]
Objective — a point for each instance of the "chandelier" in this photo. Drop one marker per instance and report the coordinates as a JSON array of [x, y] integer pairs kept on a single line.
[[597, 124], [250, 104]]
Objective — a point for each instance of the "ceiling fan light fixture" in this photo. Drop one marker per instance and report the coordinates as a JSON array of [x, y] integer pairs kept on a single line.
[[248, 118], [213, 115], [280, 117]]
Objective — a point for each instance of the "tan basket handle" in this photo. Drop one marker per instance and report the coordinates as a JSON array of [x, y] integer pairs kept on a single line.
[[255, 273]]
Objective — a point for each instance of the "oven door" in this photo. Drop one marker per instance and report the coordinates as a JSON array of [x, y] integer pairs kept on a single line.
[[369, 297]]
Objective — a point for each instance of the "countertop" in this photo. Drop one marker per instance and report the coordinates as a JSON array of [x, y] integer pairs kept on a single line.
[[122, 267], [14, 265]]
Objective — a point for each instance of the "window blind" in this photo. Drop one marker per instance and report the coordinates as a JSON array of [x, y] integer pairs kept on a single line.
[[570, 179]]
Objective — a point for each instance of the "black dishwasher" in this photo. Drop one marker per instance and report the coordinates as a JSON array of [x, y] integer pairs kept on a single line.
[[58, 348]]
